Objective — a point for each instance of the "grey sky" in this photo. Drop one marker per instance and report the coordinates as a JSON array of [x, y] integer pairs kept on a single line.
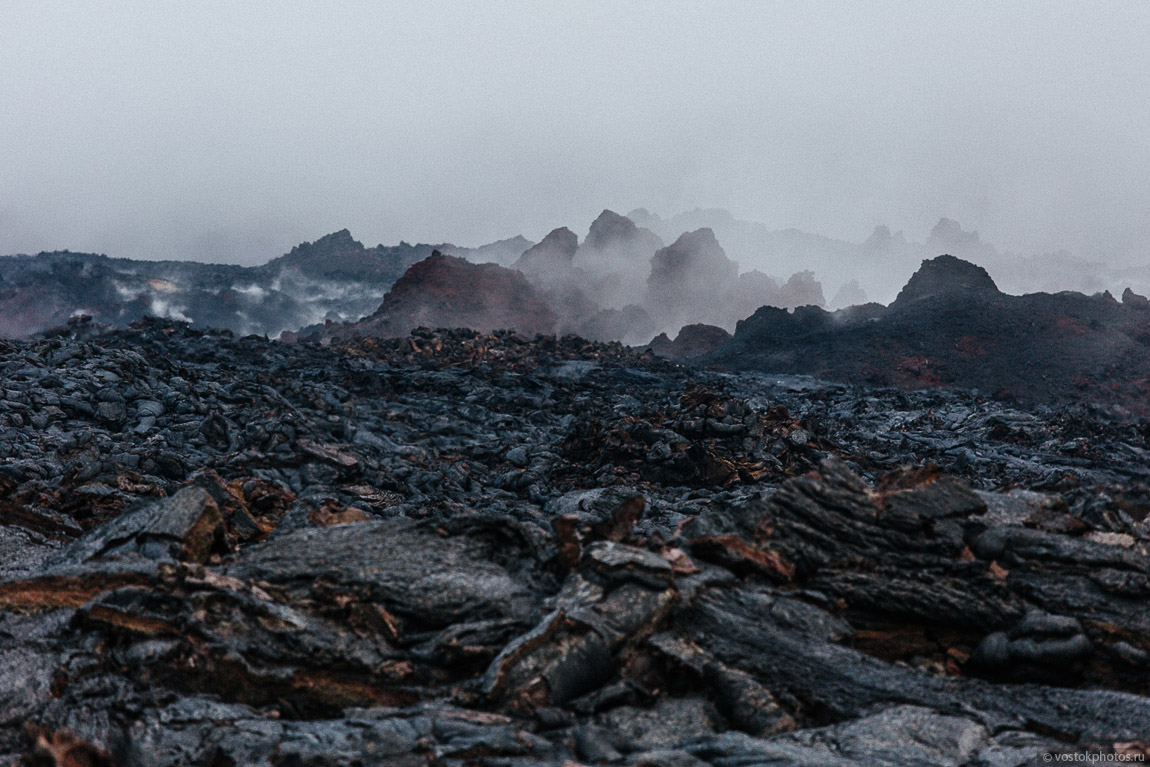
[[231, 131]]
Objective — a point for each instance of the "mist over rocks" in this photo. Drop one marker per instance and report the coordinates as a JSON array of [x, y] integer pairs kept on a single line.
[[632, 325], [777, 252], [446, 291], [948, 235], [621, 283], [881, 239], [336, 278], [687, 276], [752, 290], [590, 289], [339, 255], [690, 281], [850, 294], [800, 289], [502, 252], [881, 261], [616, 257], [551, 257], [549, 267], [613, 232], [43, 291], [443, 291]]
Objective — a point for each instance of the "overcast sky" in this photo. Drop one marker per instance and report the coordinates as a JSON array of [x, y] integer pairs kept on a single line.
[[231, 131]]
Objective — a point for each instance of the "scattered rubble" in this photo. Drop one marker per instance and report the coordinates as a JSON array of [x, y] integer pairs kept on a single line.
[[483, 548]]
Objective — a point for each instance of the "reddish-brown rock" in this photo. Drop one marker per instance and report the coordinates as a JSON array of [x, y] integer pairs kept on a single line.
[[448, 292]]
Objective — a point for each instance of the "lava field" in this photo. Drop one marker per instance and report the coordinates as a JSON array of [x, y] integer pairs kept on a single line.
[[459, 548]]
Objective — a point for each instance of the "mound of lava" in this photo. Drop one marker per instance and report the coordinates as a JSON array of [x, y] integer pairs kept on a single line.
[[950, 326], [462, 548], [446, 291]]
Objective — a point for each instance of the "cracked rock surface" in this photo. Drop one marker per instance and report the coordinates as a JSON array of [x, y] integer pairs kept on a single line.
[[459, 548]]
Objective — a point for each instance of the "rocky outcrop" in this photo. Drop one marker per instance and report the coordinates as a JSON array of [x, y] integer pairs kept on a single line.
[[340, 256], [882, 241], [755, 289], [948, 277], [448, 292], [950, 326], [551, 258], [692, 342], [949, 234], [686, 278], [801, 289], [752, 290], [502, 252], [616, 257], [611, 232], [1130, 298]]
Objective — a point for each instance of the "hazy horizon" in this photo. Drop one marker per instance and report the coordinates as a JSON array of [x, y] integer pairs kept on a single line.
[[229, 133]]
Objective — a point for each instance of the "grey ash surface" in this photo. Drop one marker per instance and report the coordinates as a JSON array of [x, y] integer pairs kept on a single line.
[[465, 549]]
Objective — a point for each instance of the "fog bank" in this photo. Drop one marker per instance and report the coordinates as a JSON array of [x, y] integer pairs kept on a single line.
[[215, 131]]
